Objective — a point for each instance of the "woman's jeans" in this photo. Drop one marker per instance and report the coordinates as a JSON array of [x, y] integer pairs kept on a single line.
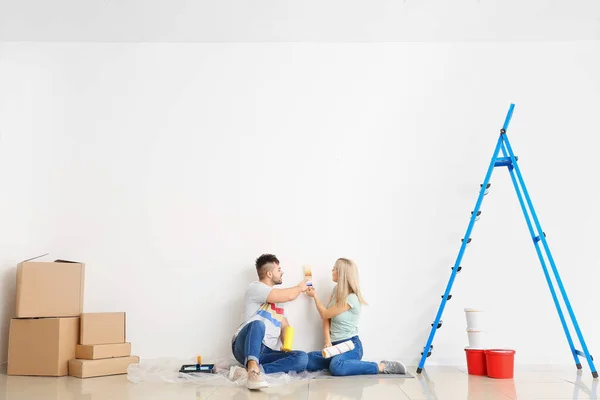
[[347, 363]]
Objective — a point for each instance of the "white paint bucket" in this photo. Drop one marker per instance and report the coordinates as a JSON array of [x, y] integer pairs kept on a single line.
[[477, 339], [474, 319]]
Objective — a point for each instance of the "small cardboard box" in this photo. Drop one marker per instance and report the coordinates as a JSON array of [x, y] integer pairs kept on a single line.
[[42, 347], [102, 328], [99, 351], [49, 289], [109, 366]]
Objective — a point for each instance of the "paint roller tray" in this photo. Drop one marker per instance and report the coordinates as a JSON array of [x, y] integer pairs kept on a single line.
[[193, 368]]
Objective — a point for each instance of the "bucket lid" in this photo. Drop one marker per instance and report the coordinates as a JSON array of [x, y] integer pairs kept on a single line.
[[501, 352], [475, 349], [473, 310]]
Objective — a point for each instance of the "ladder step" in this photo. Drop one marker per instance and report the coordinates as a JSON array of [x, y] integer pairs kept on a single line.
[[458, 270], [429, 352], [487, 188], [468, 241], [477, 216], [537, 238], [449, 297], [504, 161], [582, 354], [439, 324]]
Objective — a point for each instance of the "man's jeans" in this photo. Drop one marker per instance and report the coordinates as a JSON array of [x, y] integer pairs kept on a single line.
[[248, 345], [347, 363]]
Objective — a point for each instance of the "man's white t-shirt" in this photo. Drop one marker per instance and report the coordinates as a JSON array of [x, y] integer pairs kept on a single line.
[[256, 308]]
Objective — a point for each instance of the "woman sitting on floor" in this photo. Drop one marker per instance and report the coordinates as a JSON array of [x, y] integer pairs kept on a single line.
[[340, 324]]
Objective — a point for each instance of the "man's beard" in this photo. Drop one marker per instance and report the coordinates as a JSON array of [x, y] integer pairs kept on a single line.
[[278, 282]]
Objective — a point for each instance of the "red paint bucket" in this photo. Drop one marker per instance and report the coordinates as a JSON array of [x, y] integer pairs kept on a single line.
[[500, 363], [476, 362]]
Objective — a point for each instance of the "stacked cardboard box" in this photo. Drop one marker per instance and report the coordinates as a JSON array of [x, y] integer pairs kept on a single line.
[[43, 336], [102, 349], [49, 324]]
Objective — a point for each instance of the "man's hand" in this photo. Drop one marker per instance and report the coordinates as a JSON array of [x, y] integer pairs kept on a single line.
[[285, 295], [327, 344], [311, 292], [302, 285]]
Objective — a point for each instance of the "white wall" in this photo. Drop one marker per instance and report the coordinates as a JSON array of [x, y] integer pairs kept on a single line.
[[169, 168], [25, 212]]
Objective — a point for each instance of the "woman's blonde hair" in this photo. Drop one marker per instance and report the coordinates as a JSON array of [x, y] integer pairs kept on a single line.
[[347, 281]]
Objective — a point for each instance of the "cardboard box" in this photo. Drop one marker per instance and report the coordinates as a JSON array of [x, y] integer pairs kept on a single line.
[[102, 328], [43, 346], [49, 289], [99, 351], [110, 366]]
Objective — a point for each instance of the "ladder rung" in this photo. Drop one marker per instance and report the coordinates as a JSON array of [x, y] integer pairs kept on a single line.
[[449, 297], [468, 241], [476, 216], [487, 188], [458, 270], [504, 161], [429, 352], [537, 238], [582, 354], [439, 324]]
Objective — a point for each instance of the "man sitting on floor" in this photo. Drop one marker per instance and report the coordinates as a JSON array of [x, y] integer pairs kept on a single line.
[[258, 340]]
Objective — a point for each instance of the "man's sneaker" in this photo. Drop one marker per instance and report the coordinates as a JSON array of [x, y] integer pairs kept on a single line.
[[256, 381], [236, 373]]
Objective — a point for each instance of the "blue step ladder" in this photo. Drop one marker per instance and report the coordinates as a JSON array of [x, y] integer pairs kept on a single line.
[[538, 236]]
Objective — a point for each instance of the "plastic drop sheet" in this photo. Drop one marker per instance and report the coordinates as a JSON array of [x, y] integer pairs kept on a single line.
[[167, 370]]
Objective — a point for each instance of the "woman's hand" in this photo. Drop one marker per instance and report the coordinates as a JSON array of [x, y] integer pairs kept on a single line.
[[311, 292]]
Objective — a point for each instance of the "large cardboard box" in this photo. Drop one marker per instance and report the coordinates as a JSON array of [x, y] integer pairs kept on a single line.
[[102, 328], [99, 351], [43, 346], [109, 366], [50, 289]]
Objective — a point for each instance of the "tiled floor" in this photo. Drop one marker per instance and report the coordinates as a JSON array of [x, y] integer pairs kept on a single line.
[[435, 383]]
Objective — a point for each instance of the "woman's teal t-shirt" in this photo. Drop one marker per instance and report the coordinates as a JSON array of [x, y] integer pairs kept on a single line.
[[345, 325]]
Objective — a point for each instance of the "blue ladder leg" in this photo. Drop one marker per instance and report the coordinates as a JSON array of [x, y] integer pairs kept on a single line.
[[536, 243], [474, 216], [551, 260]]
